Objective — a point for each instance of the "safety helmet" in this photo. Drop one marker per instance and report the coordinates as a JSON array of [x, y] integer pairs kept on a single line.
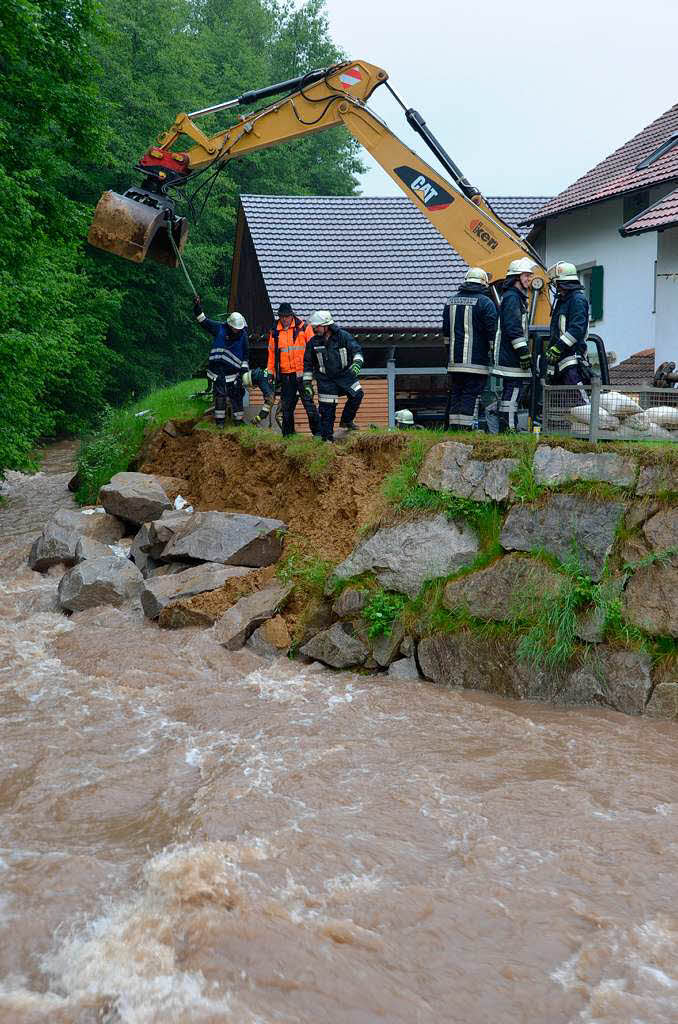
[[522, 266], [321, 318], [284, 309], [237, 321], [476, 275], [404, 417], [563, 272], [247, 379]]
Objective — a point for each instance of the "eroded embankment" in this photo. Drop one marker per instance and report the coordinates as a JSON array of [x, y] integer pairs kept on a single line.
[[323, 509]]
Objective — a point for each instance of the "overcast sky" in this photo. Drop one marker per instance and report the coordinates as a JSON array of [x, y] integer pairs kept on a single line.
[[524, 97]]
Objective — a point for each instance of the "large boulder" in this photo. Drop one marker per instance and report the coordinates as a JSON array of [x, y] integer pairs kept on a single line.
[[658, 479], [135, 497], [651, 599], [272, 639], [661, 531], [230, 538], [386, 647], [460, 659], [403, 557], [107, 580], [160, 591], [162, 530], [350, 602], [337, 647], [317, 616], [404, 668], [664, 701], [558, 466], [450, 466], [565, 524], [238, 623], [618, 678], [502, 589], [59, 538], [87, 547]]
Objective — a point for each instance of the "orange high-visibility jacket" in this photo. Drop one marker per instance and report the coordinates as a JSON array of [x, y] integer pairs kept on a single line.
[[291, 346]]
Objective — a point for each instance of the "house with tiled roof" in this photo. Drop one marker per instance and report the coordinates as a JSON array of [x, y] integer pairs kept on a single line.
[[619, 224], [381, 268], [636, 371]]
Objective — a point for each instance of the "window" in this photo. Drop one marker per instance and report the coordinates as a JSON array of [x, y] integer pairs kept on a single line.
[[592, 279], [635, 204]]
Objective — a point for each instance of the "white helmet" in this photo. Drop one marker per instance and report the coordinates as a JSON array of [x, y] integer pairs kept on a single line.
[[321, 318], [563, 272], [522, 266], [237, 321], [405, 417], [476, 275], [247, 379]]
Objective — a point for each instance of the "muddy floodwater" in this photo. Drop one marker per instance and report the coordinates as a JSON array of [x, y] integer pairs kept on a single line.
[[192, 835]]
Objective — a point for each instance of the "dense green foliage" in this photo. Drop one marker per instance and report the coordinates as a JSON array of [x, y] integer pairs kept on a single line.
[[86, 88]]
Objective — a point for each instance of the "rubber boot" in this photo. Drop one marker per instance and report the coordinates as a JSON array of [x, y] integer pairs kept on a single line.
[[347, 426], [504, 423]]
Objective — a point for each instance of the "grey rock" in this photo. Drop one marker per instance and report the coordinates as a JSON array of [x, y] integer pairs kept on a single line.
[[107, 580], [651, 599], [350, 602], [503, 589], [658, 479], [449, 466], [564, 522], [135, 497], [198, 579], [162, 530], [618, 678], [385, 648], [661, 531], [229, 538], [59, 538], [318, 616], [407, 647], [664, 701], [591, 623], [404, 668], [403, 557], [336, 647], [87, 547], [639, 513], [271, 639], [238, 623], [459, 659], [558, 466], [168, 569]]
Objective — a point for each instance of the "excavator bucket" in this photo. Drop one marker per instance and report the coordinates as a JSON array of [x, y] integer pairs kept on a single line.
[[137, 226]]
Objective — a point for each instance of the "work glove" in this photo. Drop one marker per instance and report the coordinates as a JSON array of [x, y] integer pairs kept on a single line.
[[355, 369], [308, 391], [197, 305], [553, 355], [525, 361]]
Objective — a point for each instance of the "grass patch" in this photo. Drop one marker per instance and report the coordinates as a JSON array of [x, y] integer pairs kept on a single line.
[[381, 611], [121, 434], [307, 573], [525, 487]]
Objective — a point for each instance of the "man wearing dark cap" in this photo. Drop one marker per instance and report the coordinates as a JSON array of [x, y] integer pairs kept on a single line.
[[286, 347]]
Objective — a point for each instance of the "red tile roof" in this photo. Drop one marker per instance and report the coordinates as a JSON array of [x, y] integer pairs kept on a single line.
[[617, 174], [663, 214], [637, 370]]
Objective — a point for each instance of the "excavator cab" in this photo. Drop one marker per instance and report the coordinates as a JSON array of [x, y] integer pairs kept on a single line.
[[138, 225]]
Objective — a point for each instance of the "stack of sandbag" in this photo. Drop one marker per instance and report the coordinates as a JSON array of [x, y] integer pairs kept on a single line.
[[658, 421], [580, 416], [621, 416]]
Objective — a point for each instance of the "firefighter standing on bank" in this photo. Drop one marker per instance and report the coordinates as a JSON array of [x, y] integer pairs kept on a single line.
[[513, 362], [286, 346], [470, 321], [335, 359], [228, 360], [569, 327]]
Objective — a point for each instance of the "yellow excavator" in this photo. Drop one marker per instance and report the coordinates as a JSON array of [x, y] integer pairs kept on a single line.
[[143, 222]]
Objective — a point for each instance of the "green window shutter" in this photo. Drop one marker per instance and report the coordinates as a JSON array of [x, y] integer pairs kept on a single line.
[[597, 275]]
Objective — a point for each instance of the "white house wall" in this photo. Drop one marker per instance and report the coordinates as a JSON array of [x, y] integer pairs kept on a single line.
[[666, 327], [591, 236]]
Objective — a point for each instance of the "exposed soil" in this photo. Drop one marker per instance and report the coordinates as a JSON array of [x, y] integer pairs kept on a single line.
[[323, 512]]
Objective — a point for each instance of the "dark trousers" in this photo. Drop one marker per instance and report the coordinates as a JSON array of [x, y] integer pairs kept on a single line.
[[328, 394], [514, 391], [291, 390], [224, 391], [571, 375], [465, 391]]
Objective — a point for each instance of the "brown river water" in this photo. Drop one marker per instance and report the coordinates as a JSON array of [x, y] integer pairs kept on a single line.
[[191, 835]]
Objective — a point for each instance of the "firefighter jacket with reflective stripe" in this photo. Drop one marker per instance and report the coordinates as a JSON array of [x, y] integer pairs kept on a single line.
[[230, 349], [470, 322], [291, 346], [512, 339], [332, 355], [570, 326]]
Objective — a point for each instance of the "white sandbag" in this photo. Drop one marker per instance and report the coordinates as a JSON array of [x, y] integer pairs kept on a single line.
[[582, 414], [657, 431], [608, 423], [639, 422], [663, 416], [618, 404]]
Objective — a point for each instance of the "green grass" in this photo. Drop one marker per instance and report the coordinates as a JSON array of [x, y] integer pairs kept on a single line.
[[121, 433], [307, 573], [381, 611]]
